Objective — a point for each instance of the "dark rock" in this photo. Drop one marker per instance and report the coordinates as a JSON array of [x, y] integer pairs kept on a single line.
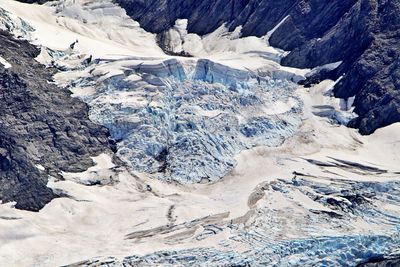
[[318, 77], [40, 124], [34, 1], [162, 41], [381, 262], [160, 15]]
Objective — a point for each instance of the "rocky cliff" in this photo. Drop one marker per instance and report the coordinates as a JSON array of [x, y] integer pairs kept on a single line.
[[43, 130]]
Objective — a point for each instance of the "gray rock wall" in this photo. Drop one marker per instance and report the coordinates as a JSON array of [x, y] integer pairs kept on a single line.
[[41, 124]]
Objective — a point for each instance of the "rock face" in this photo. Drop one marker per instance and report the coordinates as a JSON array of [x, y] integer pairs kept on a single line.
[[34, 1], [382, 263], [363, 34], [43, 130]]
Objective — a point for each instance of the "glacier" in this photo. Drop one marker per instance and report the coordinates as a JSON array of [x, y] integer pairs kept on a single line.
[[187, 126], [341, 251], [222, 158]]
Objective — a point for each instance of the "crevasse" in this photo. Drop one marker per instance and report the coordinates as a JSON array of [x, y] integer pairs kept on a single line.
[[187, 126]]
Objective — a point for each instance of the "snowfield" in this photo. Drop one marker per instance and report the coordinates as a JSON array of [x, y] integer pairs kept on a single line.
[[223, 158]]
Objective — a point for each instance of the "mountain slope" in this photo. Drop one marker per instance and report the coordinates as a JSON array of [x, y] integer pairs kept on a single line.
[[363, 34], [43, 130], [222, 159]]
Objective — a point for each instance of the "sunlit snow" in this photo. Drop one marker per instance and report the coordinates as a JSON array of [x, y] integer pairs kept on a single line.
[[283, 181]]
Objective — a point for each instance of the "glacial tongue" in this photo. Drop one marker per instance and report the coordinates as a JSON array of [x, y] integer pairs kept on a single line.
[[187, 126]]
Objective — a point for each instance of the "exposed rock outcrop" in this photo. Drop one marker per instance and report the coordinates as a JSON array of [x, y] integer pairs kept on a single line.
[[381, 263], [34, 1], [43, 130]]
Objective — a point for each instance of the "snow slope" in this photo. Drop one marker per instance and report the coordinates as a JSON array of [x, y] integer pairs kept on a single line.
[[303, 188], [5, 63]]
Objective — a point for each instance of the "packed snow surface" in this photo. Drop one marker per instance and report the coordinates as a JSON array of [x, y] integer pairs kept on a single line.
[[282, 181], [5, 63]]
